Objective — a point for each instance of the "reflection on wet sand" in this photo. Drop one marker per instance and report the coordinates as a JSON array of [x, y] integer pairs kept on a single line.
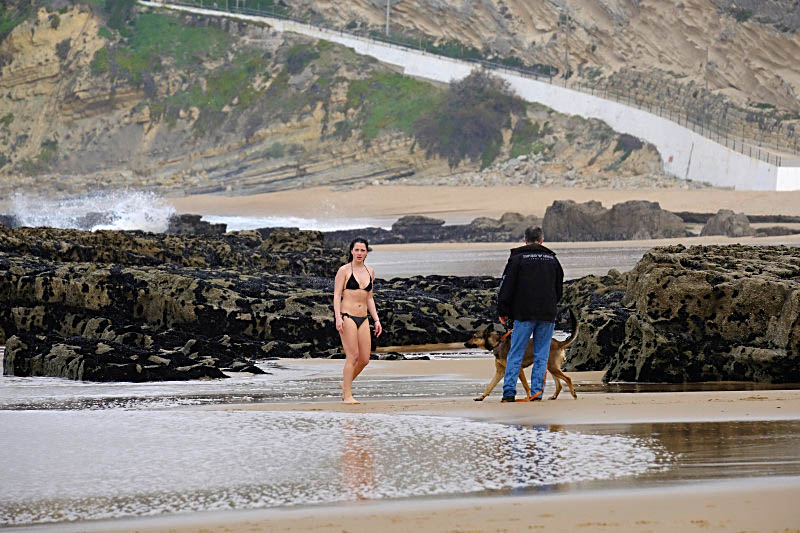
[[358, 468]]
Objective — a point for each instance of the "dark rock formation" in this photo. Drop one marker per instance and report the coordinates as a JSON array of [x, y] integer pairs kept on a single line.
[[712, 313], [597, 302], [245, 251], [567, 221], [192, 225], [156, 298], [701, 218], [100, 360], [508, 228], [10, 221], [726, 222]]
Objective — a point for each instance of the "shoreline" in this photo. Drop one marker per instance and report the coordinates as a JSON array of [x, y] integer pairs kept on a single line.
[[760, 505], [393, 201], [753, 504]]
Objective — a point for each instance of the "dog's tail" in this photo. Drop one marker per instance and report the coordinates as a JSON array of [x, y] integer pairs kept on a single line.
[[572, 336]]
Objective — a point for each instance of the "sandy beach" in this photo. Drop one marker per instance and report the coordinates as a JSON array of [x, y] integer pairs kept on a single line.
[[461, 204], [752, 505]]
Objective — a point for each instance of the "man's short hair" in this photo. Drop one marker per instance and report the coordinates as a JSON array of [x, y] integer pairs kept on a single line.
[[533, 234]]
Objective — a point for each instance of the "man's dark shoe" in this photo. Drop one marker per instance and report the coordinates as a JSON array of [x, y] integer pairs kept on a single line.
[[508, 399], [536, 397]]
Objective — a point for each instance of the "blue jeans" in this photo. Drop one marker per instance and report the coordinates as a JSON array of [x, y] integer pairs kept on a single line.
[[542, 332]]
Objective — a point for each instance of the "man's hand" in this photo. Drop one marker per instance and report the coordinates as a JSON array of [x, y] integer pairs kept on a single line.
[[503, 319]]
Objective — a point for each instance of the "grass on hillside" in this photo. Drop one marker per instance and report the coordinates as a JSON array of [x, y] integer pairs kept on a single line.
[[155, 36], [390, 100]]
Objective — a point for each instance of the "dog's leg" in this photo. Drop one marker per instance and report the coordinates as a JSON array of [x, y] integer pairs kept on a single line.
[[559, 375], [525, 383], [498, 375]]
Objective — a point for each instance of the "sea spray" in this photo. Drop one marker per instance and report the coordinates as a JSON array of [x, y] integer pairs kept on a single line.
[[120, 210]]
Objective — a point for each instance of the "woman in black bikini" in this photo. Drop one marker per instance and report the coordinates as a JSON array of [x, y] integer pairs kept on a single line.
[[352, 302]]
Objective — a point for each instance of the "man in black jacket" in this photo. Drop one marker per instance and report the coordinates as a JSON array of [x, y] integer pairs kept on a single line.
[[530, 289]]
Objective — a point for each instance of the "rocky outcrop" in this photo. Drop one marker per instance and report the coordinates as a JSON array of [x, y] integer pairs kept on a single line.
[[510, 227], [286, 252], [711, 313], [187, 224], [567, 220], [65, 298], [597, 303], [728, 223]]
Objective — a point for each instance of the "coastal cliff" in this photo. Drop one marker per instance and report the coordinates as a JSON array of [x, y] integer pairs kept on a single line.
[[182, 104]]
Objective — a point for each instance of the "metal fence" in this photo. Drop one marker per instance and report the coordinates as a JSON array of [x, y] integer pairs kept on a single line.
[[715, 130]]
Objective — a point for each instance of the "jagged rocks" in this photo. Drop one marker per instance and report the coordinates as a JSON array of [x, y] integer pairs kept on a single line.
[[510, 227], [161, 301], [566, 221], [712, 313], [192, 225], [597, 302], [726, 222], [97, 360]]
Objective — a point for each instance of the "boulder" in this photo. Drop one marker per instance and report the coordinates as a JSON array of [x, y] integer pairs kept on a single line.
[[728, 223], [711, 313], [597, 303], [567, 221], [188, 224]]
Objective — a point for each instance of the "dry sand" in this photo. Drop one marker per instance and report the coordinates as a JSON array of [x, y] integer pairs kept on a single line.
[[741, 505], [465, 203]]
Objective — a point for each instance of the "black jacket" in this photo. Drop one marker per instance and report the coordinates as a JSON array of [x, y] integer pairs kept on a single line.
[[532, 284]]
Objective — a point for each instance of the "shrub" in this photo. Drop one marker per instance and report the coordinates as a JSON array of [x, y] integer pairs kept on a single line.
[[523, 137], [99, 62], [6, 120], [298, 58], [105, 33], [469, 120], [120, 13], [741, 14], [62, 49], [3, 160], [55, 21]]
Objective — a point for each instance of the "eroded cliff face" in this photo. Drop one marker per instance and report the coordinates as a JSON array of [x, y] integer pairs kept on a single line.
[[255, 110], [744, 50]]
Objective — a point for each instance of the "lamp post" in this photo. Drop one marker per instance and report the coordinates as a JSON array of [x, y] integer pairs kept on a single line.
[[388, 2]]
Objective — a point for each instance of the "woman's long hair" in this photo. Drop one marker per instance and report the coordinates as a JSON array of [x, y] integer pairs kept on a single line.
[[352, 245]]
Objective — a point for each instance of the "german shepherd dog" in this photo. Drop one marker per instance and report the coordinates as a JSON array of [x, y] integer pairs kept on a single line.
[[500, 345]]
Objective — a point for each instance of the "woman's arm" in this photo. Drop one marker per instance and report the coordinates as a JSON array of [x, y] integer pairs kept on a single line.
[[338, 288], [372, 309]]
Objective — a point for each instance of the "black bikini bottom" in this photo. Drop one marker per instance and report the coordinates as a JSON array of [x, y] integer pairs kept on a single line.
[[358, 320]]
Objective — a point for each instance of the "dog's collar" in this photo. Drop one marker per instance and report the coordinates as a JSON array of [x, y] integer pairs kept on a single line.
[[506, 334]]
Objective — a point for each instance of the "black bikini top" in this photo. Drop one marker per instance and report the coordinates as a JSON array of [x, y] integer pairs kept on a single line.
[[352, 282]]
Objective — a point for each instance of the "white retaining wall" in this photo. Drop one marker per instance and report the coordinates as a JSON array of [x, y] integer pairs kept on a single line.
[[684, 153]]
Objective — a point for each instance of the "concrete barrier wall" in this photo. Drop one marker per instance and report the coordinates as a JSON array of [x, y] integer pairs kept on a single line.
[[684, 153]]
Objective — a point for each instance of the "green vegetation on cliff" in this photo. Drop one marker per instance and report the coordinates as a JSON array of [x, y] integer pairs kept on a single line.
[[387, 99], [12, 14], [157, 37], [468, 122]]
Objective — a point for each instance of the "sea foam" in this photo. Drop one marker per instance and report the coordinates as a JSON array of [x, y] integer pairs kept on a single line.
[[113, 211]]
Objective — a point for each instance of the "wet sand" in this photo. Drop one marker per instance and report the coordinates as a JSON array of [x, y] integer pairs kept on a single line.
[[461, 204], [752, 505]]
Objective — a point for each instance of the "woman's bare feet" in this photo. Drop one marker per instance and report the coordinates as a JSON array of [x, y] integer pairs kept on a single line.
[[350, 401]]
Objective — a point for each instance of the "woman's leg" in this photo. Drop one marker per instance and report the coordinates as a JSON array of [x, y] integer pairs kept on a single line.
[[364, 348], [350, 343]]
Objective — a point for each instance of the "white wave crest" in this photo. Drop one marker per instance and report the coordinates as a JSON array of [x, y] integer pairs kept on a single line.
[[143, 211]]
